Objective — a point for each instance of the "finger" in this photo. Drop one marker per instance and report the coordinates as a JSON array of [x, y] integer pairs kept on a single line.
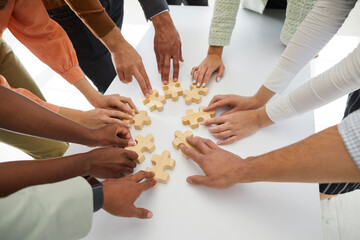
[[132, 155], [196, 180], [216, 98], [121, 76], [180, 54], [217, 104], [176, 67], [142, 83], [127, 170], [207, 77], [129, 102], [111, 120], [128, 163], [220, 73], [199, 76], [198, 143], [128, 76], [228, 112], [117, 114], [193, 71], [162, 58], [158, 60], [146, 78], [139, 176], [166, 70], [224, 134], [215, 120], [146, 185], [194, 155], [142, 213], [228, 140], [210, 144], [120, 142], [219, 128]]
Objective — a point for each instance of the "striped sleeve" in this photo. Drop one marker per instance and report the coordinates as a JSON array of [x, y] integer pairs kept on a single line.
[[349, 130]]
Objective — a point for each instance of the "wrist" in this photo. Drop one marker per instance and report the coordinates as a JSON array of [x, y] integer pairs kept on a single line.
[[217, 50], [250, 171], [262, 118], [162, 20]]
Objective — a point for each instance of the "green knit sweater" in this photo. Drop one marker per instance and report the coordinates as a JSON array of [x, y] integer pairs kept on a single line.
[[225, 11]]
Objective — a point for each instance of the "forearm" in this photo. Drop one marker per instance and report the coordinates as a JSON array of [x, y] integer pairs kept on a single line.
[[162, 22], [320, 25], [20, 174], [218, 50], [323, 157], [88, 91], [72, 114], [19, 114], [113, 40]]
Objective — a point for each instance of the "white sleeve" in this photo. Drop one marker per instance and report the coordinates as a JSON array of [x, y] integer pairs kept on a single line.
[[339, 80], [320, 25], [60, 210]]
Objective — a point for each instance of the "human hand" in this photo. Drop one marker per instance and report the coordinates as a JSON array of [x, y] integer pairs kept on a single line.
[[222, 169], [236, 102], [167, 45], [201, 74], [120, 195], [111, 135], [101, 117], [115, 102], [110, 162], [237, 125]]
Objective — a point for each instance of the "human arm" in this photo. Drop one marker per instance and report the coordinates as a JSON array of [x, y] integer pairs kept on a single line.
[[19, 114], [322, 157], [222, 25], [64, 210], [100, 163]]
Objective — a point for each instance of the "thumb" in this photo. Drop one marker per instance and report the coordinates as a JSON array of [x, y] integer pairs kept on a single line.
[[142, 213], [196, 180]]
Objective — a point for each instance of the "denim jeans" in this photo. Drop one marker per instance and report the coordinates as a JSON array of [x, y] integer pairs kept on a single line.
[[94, 58]]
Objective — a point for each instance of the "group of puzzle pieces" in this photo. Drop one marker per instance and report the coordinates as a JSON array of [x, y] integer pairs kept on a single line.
[[146, 144], [173, 90]]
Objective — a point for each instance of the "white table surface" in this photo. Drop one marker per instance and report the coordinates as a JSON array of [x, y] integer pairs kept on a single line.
[[247, 211]]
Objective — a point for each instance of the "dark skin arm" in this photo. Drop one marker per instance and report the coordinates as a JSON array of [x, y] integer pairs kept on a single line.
[[101, 163], [20, 114]]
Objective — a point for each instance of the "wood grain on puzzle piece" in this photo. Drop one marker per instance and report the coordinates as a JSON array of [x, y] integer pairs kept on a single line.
[[161, 163], [173, 90], [154, 101], [143, 144], [139, 120], [180, 139], [193, 118], [195, 94]]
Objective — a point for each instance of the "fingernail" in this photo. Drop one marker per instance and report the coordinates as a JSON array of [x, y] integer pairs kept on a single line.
[[203, 85], [191, 76], [198, 84], [130, 116], [194, 81], [189, 180], [175, 79], [147, 95], [149, 215], [151, 91], [218, 79]]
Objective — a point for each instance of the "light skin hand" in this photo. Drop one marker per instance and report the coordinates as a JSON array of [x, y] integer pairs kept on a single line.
[[126, 60], [111, 135], [234, 126], [212, 63], [120, 195], [222, 169], [110, 162], [167, 46]]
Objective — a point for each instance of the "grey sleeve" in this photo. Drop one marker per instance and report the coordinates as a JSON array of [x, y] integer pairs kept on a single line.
[[153, 7], [349, 130]]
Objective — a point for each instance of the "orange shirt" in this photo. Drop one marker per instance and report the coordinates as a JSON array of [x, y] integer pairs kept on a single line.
[[29, 22], [29, 95]]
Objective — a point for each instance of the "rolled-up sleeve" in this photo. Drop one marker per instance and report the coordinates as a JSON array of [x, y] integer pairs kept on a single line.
[[349, 130], [32, 26], [60, 210]]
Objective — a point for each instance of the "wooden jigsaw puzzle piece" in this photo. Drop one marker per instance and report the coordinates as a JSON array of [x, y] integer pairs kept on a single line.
[[195, 94], [161, 163], [154, 101], [143, 144], [180, 139], [139, 120], [193, 118], [173, 90]]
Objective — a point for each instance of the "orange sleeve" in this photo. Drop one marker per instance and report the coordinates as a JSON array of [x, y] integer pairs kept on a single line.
[[29, 95], [32, 26]]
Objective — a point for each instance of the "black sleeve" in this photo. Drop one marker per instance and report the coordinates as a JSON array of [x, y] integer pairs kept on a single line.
[[153, 7]]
